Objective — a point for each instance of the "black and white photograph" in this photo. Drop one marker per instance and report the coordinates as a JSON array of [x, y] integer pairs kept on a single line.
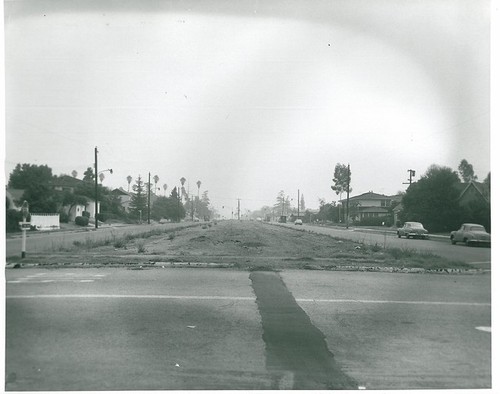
[[248, 195]]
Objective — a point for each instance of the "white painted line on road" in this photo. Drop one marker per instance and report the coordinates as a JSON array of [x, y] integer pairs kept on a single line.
[[395, 302], [487, 329], [151, 296], [180, 297]]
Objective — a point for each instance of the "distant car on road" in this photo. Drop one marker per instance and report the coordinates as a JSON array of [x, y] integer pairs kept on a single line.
[[298, 221], [413, 230], [471, 234]]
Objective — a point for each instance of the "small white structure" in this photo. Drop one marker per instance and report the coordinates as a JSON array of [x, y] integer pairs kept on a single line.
[[45, 221]]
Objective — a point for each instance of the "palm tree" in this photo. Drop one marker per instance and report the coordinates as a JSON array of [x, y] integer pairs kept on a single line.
[[183, 181], [165, 189], [129, 179], [156, 178], [197, 202]]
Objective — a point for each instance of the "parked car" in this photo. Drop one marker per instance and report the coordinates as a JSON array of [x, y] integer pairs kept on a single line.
[[298, 221], [413, 230], [471, 234]]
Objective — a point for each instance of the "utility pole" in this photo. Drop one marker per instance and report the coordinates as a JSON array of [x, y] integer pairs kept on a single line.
[[348, 186], [298, 203], [149, 197], [192, 208], [95, 177], [412, 174], [238, 209]]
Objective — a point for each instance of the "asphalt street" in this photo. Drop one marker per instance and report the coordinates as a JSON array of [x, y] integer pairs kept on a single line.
[[439, 245], [175, 329]]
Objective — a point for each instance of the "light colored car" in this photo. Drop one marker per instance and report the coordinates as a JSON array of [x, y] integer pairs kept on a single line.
[[298, 221], [413, 230], [471, 234]]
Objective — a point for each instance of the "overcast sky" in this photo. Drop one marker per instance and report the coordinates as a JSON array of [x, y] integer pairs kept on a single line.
[[249, 97]]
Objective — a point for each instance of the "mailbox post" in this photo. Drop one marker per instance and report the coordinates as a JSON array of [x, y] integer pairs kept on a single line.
[[24, 226]]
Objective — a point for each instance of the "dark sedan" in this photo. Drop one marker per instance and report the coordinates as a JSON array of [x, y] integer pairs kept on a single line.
[[471, 234], [413, 230]]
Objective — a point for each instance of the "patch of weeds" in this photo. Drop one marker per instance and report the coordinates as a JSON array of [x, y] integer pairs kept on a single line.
[[141, 246], [204, 227], [253, 244], [77, 243], [376, 248], [201, 238], [298, 259], [401, 253], [260, 268], [129, 237], [171, 236], [119, 243]]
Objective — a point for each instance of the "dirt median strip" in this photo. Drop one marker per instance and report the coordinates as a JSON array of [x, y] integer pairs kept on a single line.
[[250, 246]]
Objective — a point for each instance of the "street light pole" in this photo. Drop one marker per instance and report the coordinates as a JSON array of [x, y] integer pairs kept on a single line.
[[25, 211], [95, 176], [149, 197]]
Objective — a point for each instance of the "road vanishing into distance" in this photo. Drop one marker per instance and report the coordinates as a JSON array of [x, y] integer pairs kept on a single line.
[[222, 329]]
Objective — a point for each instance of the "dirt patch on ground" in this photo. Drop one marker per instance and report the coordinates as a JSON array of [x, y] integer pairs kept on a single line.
[[244, 245]]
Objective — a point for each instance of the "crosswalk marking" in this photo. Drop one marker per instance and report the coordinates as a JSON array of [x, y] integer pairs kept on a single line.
[[239, 298], [57, 277]]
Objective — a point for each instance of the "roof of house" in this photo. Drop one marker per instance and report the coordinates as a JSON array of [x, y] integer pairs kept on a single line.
[[481, 188], [14, 195], [65, 180], [368, 196], [121, 191]]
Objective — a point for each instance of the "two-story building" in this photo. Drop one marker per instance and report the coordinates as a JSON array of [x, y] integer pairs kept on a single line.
[[368, 206]]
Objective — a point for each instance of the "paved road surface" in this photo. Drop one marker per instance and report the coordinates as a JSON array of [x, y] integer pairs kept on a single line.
[[480, 256], [118, 329]]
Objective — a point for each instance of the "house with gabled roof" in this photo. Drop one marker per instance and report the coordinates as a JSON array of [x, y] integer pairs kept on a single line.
[[14, 197], [473, 191], [124, 197], [65, 183], [368, 205]]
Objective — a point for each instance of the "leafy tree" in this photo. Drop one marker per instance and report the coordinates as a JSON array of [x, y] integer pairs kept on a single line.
[[341, 179], [42, 199], [179, 211], [26, 175], [466, 171], [167, 208], [433, 200], [138, 200], [327, 212], [282, 204], [88, 175], [203, 208]]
